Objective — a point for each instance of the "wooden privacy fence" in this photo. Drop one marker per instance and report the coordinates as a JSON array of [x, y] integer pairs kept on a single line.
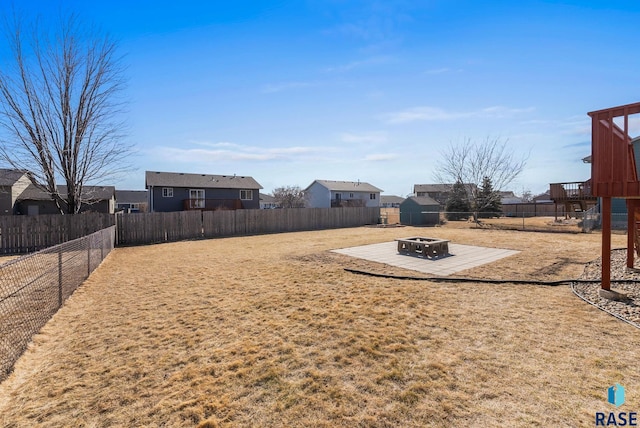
[[533, 209], [26, 234], [148, 228]]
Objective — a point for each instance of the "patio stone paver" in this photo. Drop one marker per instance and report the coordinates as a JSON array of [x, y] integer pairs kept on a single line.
[[461, 257]]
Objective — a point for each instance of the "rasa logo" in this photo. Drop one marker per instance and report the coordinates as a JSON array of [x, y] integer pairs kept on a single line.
[[615, 396]]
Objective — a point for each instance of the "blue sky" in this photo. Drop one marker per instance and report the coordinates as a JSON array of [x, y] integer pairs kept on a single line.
[[292, 91]]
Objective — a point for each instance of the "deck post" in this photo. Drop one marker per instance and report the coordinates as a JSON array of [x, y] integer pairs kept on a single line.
[[606, 243], [632, 205]]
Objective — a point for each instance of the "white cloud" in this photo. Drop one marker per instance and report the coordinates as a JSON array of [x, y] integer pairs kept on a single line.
[[581, 125], [237, 152], [379, 157], [371, 137], [501, 111], [427, 113], [222, 144]]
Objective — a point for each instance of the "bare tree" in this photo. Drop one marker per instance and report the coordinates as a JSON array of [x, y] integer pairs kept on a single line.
[[289, 196], [472, 162], [60, 104], [527, 196]]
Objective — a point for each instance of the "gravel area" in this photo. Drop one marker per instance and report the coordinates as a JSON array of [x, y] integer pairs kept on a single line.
[[628, 311]]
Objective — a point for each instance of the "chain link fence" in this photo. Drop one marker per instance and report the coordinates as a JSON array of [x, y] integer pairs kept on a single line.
[[577, 222], [524, 221], [34, 287]]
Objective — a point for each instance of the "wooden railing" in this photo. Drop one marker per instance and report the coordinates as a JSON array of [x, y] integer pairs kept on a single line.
[[571, 191], [348, 203], [211, 204]]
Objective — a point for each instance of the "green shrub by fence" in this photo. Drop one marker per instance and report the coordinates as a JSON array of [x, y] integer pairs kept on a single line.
[[148, 228]]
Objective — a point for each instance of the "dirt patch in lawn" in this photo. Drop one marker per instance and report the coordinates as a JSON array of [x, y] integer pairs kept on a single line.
[[271, 331]]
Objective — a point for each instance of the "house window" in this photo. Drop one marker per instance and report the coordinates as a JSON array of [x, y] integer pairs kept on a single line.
[[167, 192], [372, 195], [196, 198], [351, 195], [246, 195]]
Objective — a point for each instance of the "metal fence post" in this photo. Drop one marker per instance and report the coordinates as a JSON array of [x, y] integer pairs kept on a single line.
[[88, 256], [60, 277]]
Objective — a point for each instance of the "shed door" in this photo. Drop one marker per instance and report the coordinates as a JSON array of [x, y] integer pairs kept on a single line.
[[32, 210]]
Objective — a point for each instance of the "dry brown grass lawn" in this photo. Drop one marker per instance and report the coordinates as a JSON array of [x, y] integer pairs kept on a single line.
[[271, 331], [4, 259], [549, 224]]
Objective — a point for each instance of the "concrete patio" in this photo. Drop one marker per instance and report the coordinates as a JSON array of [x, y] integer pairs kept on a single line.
[[460, 257]]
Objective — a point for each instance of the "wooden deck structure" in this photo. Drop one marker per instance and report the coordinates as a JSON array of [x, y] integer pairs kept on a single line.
[[614, 174], [575, 196], [211, 204]]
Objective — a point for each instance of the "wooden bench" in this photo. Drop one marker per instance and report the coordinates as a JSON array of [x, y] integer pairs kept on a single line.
[[427, 247]]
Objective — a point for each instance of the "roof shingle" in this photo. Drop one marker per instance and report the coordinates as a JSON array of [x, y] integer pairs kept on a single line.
[[347, 186], [208, 181]]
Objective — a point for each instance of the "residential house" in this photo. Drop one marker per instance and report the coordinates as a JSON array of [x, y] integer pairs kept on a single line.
[[508, 197], [177, 191], [34, 201], [330, 194], [12, 183], [440, 192], [390, 201], [268, 202], [132, 201], [543, 197], [419, 211]]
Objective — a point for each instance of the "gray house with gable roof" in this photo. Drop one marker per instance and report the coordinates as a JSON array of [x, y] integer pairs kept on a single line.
[[133, 201], [440, 192], [177, 191], [331, 194], [35, 201], [12, 183]]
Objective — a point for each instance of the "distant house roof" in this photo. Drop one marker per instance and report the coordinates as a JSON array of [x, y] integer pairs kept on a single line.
[[208, 181], [346, 186], [423, 200], [391, 199], [267, 198], [543, 197], [95, 193], [8, 177], [442, 187], [131, 196], [432, 188]]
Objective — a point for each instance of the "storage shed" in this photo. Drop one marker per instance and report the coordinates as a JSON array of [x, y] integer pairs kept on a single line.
[[419, 211]]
